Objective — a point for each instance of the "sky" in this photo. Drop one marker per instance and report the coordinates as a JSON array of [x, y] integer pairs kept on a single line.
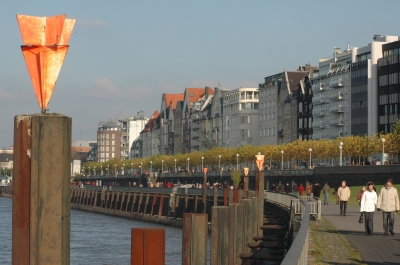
[[124, 54]]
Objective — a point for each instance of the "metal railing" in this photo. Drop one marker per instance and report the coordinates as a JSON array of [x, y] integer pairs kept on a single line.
[[298, 251]]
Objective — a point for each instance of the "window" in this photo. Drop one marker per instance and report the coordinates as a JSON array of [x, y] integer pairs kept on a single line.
[[112, 155], [107, 136], [113, 142], [113, 136]]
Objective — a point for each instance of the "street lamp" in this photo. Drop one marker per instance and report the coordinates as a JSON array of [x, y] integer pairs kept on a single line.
[[310, 150], [108, 169], [89, 172], [101, 169], [282, 158], [141, 168], [115, 169], [340, 150], [175, 164], [123, 169], [383, 148], [94, 170], [132, 168], [202, 160], [219, 162], [237, 161], [151, 167], [188, 163], [162, 167]]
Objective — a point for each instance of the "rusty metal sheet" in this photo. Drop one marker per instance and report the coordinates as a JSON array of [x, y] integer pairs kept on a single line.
[[45, 48]]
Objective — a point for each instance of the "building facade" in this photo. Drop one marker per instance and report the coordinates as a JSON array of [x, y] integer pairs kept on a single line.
[[108, 140], [388, 87], [241, 114], [130, 130]]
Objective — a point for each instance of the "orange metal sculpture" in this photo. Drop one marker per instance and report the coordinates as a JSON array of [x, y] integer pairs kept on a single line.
[[45, 47], [260, 161]]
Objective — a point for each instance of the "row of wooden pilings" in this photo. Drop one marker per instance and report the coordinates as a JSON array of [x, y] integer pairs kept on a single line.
[[235, 220], [6, 191]]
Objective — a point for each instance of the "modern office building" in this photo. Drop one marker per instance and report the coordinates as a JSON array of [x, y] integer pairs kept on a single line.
[[108, 140], [388, 87], [241, 114]]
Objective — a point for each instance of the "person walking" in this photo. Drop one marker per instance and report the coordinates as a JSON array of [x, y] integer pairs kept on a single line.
[[388, 202], [308, 189], [295, 189], [344, 195], [326, 189], [368, 202], [301, 189], [317, 190], [359, 197]]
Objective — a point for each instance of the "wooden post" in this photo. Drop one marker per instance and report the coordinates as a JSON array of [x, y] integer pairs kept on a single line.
[[260, 196], [215, 195], [247, 224], [219, 235], [41, 202], [194, 239], [160, 207], [235, 233], [147, 246], [226, 199], [230, 192]]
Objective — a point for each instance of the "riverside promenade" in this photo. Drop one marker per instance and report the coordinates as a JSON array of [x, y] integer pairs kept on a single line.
[[375, 249]]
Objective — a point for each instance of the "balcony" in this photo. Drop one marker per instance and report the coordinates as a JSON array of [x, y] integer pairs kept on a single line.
[[319, 100], [318, 87], [321, 113], [337, 109], [337, 96], [336, 83], [339, 122]]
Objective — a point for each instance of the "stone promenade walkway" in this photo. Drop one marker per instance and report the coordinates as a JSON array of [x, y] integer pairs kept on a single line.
[[375, 249]]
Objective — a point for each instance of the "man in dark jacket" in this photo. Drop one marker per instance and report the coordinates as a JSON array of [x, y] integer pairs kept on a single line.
[[317, 190]]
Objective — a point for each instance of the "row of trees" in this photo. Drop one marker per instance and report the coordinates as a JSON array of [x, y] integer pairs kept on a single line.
[[357, 147]]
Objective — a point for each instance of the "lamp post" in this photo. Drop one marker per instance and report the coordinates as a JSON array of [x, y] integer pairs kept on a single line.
[[132, 168], [310, 150], [188, 163], [141, 168], [175, 164], [340, 151], [89, 172], [123, 169], [162, 167], [246, 181], [202, 163], [94, 171], [383, 148], [237, 161], [115, 169], [219, 162], [151, 167], [108, 169], [101, 169], [204, 189], [282, 158]]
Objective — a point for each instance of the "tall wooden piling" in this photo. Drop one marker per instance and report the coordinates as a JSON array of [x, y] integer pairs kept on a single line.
[[41, 203], [236, 227], [220, 235], [194, 239], [260, 195], [147, 246]]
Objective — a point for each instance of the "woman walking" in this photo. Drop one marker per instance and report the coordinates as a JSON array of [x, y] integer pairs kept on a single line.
[[359, 197], [368, 203]]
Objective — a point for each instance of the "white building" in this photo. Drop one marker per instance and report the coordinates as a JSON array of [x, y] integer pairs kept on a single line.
[[241, 117], [131, 128]]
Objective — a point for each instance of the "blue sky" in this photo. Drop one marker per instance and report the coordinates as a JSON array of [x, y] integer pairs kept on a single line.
[[124, 54]]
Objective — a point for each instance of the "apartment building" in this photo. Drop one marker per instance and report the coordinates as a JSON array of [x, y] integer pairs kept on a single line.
[[108, 140], [287, 106], [130, 130], [241, 114], [149, 141], [268, 122]]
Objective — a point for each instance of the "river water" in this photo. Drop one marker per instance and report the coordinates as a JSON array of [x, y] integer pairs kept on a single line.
[[95, 239]]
